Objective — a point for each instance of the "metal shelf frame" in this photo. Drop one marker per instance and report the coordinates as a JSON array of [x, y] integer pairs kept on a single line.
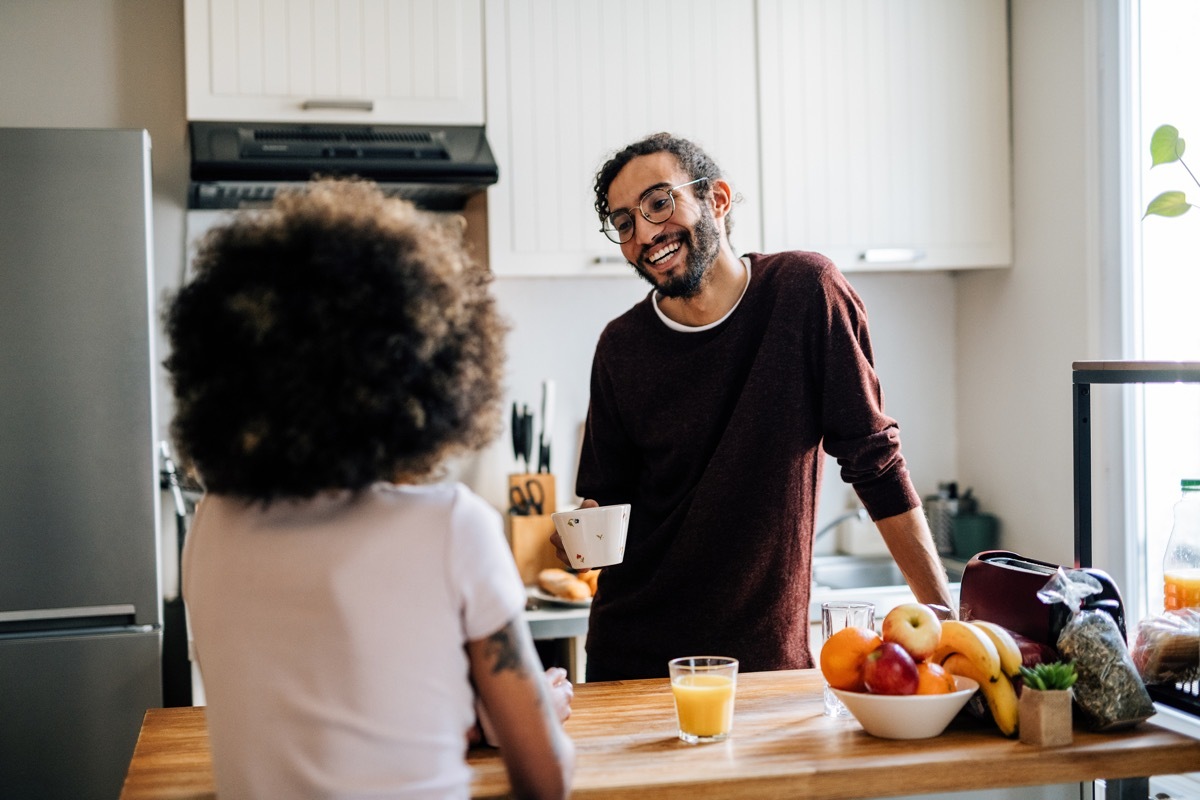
[[1084, 375]]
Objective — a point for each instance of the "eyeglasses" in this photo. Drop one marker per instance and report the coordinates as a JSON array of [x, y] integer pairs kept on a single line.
[[657, 206]]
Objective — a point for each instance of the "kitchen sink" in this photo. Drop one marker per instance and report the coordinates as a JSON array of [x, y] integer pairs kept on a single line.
[[872, 579], [857, 572], [854, 572]]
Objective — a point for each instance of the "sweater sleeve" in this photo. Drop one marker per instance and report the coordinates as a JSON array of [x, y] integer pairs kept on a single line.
[[856, 430]]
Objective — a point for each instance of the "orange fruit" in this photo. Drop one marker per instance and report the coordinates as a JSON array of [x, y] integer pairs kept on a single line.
[[843, 656], [932, 678]]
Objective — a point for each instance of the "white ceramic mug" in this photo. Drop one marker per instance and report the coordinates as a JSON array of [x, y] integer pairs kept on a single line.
[[593, 537]]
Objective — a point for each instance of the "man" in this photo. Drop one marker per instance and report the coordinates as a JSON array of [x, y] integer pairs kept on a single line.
[[711, 401]]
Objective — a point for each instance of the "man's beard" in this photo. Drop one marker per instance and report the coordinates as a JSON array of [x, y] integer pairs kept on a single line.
[[703, 243]]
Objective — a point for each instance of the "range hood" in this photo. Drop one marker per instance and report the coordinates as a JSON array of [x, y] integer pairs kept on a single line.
[[241, 165]]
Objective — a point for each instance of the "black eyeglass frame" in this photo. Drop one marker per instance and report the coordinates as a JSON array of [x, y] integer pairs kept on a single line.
[[610, 230]]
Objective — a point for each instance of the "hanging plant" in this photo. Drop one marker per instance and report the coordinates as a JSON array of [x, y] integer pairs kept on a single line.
[[1166, 147]]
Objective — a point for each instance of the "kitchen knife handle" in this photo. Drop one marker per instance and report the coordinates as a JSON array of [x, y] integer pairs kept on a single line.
[[527, 434], [516, 432]]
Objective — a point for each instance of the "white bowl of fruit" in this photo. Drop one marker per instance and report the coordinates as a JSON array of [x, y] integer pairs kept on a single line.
[[910, 681], [913, 716]]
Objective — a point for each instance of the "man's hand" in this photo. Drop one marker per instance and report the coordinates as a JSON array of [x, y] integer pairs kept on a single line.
[[556, 540]]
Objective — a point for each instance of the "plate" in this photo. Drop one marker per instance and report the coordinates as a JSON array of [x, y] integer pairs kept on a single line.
[[545, 597]]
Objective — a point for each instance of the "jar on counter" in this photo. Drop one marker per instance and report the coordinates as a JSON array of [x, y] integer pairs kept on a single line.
[[1181, 564], [940, 510]]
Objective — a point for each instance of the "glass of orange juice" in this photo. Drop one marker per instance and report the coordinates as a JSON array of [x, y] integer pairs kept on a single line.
[[704, 687]]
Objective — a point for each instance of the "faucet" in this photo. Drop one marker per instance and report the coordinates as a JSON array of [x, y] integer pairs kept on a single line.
[[858, 513]]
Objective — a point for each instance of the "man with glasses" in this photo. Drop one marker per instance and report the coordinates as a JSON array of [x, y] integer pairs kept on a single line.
[[711, 400]]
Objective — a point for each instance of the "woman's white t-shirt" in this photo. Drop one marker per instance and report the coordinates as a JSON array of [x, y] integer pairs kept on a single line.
[[330, 637]]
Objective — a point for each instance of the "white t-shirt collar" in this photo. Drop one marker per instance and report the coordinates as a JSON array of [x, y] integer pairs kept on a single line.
[[678, 326]]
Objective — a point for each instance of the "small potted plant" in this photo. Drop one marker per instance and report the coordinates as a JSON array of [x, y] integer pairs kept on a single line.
[[1044, 709]]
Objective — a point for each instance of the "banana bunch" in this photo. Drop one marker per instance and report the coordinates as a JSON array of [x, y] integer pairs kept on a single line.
[[987, 654]]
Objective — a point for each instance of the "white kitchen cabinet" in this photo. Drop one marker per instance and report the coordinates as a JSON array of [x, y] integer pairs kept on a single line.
[[569, 83], [885, 131], [358, 61]]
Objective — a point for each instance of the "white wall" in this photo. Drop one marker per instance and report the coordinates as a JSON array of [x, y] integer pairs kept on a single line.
[[976, 366], [1019, 331]]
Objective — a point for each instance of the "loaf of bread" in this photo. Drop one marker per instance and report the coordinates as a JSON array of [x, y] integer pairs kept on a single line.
[[1167, 647], [590, 577], [561, 583]]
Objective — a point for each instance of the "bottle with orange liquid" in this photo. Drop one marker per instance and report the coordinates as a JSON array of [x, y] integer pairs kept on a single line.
[[1181, 565]]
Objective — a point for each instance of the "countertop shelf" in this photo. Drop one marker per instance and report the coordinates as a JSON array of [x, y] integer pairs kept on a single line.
[[1136, 372], [557, 622]]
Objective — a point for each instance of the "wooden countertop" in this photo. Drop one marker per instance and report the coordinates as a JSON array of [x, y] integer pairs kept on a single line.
[[781, 745]]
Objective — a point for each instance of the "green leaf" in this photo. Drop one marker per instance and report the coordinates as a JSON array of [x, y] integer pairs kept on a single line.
[[1168, 204], [1050, 677], [1165, 145], [1032, 679]]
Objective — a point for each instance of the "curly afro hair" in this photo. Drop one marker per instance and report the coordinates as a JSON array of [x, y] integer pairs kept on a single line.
[[695, 162], [337, 339]]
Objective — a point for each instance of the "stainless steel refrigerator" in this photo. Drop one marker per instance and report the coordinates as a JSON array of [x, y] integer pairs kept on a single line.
[[80, 601]]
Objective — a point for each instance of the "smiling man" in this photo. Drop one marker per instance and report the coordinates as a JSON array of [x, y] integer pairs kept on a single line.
[[711, 400]]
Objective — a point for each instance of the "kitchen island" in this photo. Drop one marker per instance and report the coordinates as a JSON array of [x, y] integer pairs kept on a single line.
[[782, 746]]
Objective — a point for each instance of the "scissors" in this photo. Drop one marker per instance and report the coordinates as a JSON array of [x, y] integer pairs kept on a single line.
[[527, 501]]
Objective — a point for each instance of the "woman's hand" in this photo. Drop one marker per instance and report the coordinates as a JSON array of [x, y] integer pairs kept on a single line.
[[561, 692]]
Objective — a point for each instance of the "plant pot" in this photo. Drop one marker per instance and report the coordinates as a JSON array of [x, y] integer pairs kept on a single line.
[[1045, 717]]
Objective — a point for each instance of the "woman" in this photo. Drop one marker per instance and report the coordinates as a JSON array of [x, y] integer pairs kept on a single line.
[[348, 611]]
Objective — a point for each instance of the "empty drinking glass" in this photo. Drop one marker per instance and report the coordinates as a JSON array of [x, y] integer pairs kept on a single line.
[[836, 615]]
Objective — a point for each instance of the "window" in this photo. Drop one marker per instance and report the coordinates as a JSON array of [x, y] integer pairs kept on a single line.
[[1165, 309]]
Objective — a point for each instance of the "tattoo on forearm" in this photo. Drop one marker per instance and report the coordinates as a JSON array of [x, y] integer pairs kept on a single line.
[[504, 650]]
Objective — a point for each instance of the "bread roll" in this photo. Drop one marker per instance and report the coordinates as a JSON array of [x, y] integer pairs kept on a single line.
[[561, 583], [590, 577]]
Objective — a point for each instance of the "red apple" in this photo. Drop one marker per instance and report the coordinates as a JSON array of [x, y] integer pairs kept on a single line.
[[891, 670], [1033, 652], [914, 627]]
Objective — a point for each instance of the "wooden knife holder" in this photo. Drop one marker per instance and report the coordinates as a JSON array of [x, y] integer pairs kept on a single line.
[[529, 535]]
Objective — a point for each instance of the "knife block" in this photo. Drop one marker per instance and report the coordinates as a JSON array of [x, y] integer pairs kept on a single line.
[[529, 536], [545, 480]]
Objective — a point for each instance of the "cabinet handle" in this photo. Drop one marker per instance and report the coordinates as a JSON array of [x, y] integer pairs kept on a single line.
[[609, 260], [338, 105], [891, 255]]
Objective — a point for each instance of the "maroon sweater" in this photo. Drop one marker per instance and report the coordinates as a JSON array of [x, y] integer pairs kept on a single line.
[[715, 438]]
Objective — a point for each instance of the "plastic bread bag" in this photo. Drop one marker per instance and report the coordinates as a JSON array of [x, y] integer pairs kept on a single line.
[[1109, 691], [1167, 647]]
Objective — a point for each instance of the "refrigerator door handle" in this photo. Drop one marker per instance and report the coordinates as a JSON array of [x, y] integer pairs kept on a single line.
[[83, 613]]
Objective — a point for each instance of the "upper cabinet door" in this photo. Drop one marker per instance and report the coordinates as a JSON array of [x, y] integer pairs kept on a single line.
[[370, 61], [570, 83], [885, 131]]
